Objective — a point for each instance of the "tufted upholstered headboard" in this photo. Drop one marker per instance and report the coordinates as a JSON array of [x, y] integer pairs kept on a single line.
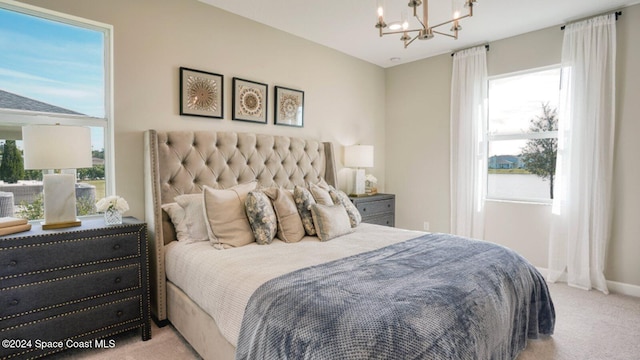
[[182, 162]]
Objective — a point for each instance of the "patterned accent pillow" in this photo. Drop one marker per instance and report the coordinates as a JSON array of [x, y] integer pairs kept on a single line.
[[331, 221], [304, 200], [339, 197], [262, 217]]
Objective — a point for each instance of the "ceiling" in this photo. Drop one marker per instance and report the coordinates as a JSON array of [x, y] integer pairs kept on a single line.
[[348, 25]]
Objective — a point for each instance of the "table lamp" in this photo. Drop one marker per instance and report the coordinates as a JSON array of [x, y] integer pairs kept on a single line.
[[56, 147], [358, 157]]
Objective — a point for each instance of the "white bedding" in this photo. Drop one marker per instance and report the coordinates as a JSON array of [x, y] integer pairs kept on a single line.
[[222, 281]]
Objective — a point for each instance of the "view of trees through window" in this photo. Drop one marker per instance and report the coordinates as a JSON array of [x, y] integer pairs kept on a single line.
[[523, 135], [53, 70]]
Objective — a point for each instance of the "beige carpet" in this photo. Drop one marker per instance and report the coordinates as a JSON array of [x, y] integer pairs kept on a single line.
[[589, 325]]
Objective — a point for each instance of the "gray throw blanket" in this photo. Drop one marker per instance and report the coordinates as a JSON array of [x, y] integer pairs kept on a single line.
[[438, 296]]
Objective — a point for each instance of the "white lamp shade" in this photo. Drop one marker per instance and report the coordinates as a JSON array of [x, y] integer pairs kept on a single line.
[[56, 147], [358, 156]]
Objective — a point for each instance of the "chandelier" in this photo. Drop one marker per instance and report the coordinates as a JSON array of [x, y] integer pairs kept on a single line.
[[425, 31]]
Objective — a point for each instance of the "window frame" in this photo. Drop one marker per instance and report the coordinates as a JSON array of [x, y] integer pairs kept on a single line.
[[22, 118], [492, 137]]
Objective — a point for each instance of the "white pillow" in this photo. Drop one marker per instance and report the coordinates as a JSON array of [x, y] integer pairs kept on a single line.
[[194, 217], [226, 216], [176, 213]]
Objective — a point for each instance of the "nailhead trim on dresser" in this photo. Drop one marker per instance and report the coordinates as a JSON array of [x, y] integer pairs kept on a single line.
[[95, 276]]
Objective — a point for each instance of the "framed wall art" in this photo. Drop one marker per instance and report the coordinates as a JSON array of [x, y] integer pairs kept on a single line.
[[289, 107], [201, 93], [249, 101]]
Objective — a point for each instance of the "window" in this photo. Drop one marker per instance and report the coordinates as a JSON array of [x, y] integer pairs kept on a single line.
[[54, 69], [522, 135]]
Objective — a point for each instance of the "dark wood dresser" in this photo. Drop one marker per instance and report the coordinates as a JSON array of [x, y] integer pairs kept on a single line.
[[72, 287], [376, 209]]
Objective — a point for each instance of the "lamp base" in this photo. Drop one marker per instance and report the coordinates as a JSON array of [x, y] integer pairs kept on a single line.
[[63, 225], [358, 183], [59, 201]]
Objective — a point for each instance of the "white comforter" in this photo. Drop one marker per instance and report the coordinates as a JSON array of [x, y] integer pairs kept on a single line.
[[222, 281]]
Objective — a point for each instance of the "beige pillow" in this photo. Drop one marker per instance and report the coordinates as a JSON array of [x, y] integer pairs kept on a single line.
[[331, 221], [290, 228], [194, 216], [176, 213], [228, 223], [320, 195]]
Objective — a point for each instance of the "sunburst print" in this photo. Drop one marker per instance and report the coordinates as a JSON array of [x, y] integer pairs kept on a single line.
[[202, 94]]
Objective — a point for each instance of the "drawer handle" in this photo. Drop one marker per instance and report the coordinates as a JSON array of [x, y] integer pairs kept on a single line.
[[118, 280], [13, 263], [388, 205], [116, 247], [119, 313], [364, 209], [14, 302]]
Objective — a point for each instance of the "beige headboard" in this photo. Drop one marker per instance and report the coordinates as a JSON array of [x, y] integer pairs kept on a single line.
[[182, 162]]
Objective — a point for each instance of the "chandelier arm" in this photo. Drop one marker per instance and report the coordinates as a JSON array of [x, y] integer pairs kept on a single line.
[[400, 31], [445, 34], [409, 42], [450, 21]]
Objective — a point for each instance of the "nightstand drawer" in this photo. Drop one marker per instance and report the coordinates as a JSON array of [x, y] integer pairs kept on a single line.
[[28, 298], [386, 220], [75, 324], [67, 251], [371, 208]]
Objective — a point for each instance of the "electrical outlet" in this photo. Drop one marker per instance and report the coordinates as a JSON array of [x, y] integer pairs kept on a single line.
[[426, 226]]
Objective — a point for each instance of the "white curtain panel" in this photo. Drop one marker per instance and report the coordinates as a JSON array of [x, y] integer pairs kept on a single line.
[[468, 141], [581, 220]]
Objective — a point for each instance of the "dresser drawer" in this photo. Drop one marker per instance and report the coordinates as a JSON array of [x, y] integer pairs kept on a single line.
[[74, 325], [28, 298], [66, 252], [371, 208], [386, 220]]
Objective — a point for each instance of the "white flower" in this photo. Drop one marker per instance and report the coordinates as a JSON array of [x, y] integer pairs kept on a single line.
[[113, 202], [370, 178]]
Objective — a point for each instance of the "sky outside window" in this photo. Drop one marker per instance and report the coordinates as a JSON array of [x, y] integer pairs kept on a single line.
[[52, 62]]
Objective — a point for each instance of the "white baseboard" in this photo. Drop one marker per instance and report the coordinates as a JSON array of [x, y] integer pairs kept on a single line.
[[613, 286]]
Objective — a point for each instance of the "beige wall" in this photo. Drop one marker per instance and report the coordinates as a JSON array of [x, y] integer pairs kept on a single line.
[[403, 111], [418, 147], [344, 96]]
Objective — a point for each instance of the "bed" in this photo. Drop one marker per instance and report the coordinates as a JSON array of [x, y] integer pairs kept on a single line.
[[325, 299]]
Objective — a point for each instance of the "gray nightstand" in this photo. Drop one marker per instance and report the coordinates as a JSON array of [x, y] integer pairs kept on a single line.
[[73, 286], [376, 209]]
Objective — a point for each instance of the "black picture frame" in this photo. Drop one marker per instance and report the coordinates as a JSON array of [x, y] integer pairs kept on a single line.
[[250, 101], [288, 107], [201, 93]]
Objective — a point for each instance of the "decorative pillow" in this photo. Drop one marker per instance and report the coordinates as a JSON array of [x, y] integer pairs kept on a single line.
[[320, 195], [226, 216], [176, 213], [194, 217], [262, 217], [331, 221], [290, 227], [339, 197], [304, 199]]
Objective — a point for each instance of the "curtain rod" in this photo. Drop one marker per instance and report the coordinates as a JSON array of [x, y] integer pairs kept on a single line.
[[486, 46], [618, 13]]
